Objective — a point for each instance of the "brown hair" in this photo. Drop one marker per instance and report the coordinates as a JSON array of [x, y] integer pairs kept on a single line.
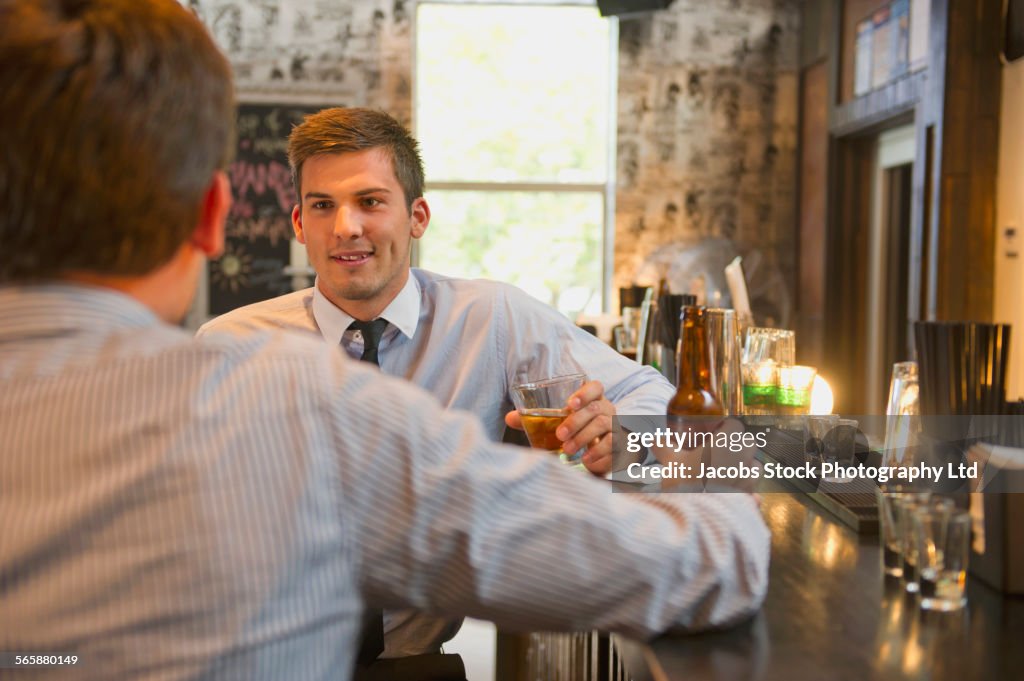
[[341, 130], [114, 115]]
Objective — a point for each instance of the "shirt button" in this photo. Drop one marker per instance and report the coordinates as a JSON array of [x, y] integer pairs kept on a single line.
[[357, 336]]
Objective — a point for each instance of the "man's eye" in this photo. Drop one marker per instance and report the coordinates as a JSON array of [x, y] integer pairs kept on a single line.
[[370, 202], [321, 205]]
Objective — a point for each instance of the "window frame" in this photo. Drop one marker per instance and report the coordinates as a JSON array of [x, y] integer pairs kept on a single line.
[[606, 190]]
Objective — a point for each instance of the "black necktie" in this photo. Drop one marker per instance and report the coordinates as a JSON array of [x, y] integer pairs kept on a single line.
[[371, 644], [372, 331]]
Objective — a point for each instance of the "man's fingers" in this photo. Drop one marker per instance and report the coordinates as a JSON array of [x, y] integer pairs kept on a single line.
[[598, 457], [596, 426], [591, 391], [513, 420]]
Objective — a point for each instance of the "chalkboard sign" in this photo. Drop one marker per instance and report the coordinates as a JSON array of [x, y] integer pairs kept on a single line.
[[259, 228]]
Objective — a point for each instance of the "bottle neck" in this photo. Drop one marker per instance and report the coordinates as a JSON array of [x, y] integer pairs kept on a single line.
[[694, 363]]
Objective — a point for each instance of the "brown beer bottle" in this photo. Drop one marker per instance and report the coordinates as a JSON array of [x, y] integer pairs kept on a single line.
[[694, 395]]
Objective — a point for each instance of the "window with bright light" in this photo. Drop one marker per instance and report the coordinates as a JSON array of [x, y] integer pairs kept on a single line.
[[512, 112]]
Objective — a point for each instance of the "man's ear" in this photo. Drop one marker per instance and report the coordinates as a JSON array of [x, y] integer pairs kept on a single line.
[[208, 236], [300, 236], [419, 217]]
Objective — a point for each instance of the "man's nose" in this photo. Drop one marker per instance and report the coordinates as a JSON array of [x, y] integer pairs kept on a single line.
[[347, 224]]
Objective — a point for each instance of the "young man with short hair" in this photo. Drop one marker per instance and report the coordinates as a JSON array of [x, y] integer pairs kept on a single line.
[[360, 181]]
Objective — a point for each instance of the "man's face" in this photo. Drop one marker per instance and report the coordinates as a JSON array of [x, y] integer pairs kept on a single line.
[[353, 220]]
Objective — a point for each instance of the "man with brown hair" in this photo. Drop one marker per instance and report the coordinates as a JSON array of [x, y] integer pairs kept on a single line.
[[183, 509], [360, 181], [59, 68]]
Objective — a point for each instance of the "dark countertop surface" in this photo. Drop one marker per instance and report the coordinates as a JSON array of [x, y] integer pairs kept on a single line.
[[831, 615]]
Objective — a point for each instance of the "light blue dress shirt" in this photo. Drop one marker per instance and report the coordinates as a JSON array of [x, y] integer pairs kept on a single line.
[[467, 342]]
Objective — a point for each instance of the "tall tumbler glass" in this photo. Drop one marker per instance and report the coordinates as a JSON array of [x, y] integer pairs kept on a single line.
[[943, 537], [630, 332], [896, 503], [909, 504], [901, 424], [724, 353], [890, 522]]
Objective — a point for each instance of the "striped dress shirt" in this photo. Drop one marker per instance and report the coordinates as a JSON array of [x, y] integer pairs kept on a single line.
[[222, 508]]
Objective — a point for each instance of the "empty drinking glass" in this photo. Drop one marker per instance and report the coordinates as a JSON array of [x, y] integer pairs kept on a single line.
[[838, 448], [627, 336], [942, 535], [762, 343], [908, 504], [901, 424], [815, 430], [895, 504], [724, 353], [890, 521]]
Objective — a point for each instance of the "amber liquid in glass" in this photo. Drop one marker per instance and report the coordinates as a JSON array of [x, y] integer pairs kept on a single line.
[[540, 426]]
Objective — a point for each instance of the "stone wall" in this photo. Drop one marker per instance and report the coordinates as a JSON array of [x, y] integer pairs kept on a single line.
[[707, 133], [329, 52], [707, 115]]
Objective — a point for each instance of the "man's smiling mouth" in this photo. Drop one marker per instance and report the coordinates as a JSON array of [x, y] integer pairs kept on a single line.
[[351, 258]]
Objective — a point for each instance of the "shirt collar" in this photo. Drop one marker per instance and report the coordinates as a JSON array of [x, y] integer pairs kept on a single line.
[[60, 308], [403, 312]]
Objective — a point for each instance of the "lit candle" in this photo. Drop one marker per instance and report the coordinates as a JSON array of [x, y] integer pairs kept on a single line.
[[766, 372], [821, 396]]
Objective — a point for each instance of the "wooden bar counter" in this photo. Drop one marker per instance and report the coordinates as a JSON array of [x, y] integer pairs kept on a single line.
[[831, 616]]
